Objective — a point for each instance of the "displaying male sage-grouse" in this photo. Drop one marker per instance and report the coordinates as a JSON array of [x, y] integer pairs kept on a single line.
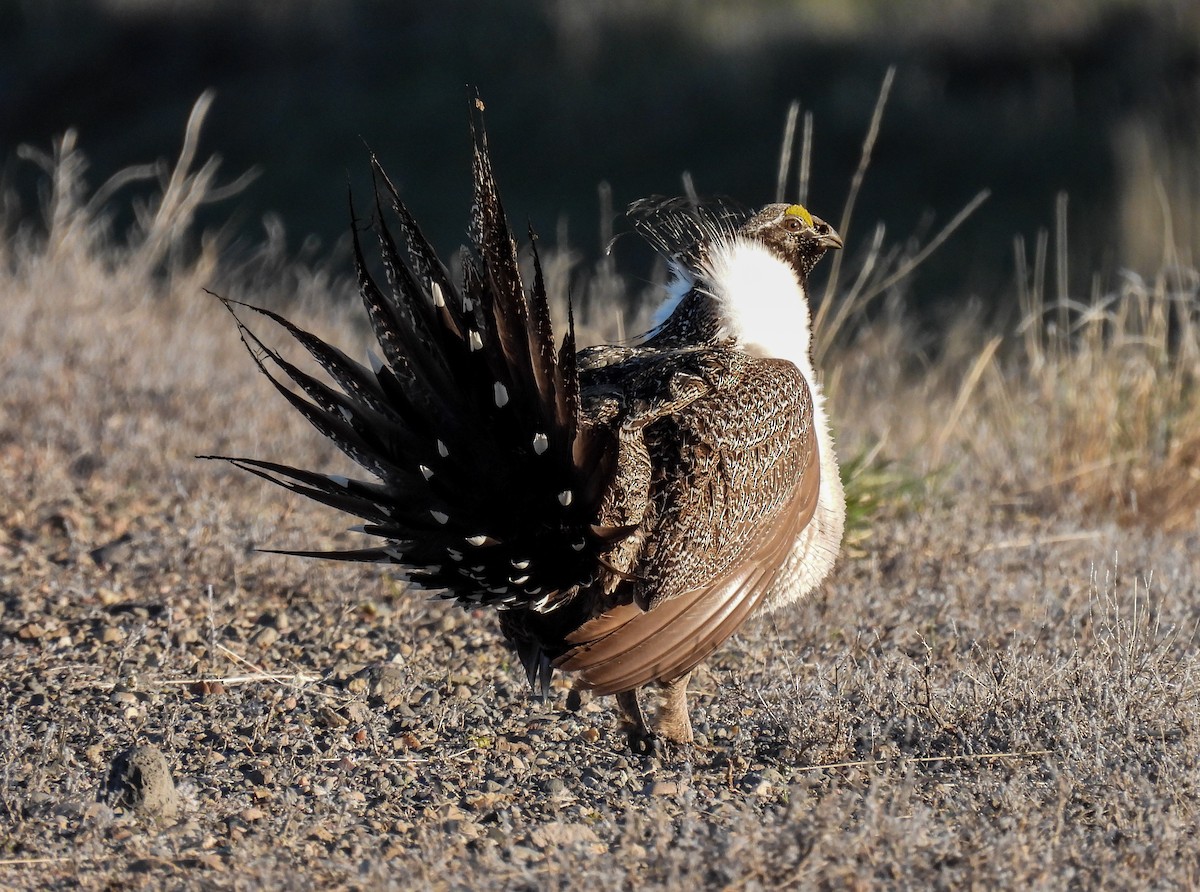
[[624, 508]]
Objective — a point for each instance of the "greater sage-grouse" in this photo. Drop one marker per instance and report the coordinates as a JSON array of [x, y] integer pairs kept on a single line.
[[624, 508]]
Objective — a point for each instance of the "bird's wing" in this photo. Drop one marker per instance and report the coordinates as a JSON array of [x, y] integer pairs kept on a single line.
[[735, 482], [487, 480]]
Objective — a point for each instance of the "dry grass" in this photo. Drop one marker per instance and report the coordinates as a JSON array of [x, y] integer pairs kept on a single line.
[[999, 691], [1116, 381], [1096, 398]]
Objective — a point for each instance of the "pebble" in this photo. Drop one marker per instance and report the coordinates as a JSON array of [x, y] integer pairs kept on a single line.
[[558, 833], [330, 718], [140, 779], [662, 788]]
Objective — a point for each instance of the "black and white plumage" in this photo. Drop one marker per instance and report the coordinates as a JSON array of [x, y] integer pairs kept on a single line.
[[624, 507]]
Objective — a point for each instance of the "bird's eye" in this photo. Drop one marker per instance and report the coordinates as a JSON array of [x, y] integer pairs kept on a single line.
[[792, 224]]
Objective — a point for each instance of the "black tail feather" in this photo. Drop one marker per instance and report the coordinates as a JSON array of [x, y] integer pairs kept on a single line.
[[488, 480], [360, 555], [370, 501], [337, 416], [357, 382], [426, 266]]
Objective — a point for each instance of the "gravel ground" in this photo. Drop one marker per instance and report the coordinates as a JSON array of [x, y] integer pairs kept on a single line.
[[994, 690], [984, 697]]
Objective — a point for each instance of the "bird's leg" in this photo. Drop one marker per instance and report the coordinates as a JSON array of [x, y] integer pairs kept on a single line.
[[673, 721], [641, 739]]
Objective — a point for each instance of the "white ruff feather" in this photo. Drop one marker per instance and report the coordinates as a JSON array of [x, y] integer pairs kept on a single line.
[[762, 304], [766, 311]]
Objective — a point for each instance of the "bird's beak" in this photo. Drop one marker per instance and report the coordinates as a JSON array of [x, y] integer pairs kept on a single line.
[[829, 239]]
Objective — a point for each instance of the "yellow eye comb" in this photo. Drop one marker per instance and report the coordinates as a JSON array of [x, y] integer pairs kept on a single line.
[[797, 210]]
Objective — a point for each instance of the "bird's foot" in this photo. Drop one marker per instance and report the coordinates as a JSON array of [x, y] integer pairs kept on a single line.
[[675, 728], [643, 742], [673, 721]]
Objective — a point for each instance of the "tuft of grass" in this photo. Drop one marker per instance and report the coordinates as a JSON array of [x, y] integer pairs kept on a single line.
[[1109, 390], [77, 221], [873, 486], [861, 335], [1096, 400]]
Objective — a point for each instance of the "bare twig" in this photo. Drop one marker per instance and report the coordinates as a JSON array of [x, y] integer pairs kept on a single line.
[[856, 181], [936, 242], [297, 680], [964, 395], [1034, 541], [806, 143], [785, 153], [976, 757]]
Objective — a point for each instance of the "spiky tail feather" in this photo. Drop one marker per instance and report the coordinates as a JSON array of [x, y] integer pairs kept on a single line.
[[486, 477]]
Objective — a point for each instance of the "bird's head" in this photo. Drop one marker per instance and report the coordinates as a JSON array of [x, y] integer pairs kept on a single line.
[[749, 278], [792, 233]]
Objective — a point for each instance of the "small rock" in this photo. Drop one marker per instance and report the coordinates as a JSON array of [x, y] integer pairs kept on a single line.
[[328, 718], [141, 779], [118, 551], [663, 788], [386, 681], [260, 775], [98, 815], [204, 688], [557, 834]]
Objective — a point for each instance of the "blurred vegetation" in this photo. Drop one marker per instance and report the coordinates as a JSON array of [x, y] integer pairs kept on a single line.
[[1100, 100]]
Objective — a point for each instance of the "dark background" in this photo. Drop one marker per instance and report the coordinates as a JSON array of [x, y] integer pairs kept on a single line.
[[1100, 100]]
